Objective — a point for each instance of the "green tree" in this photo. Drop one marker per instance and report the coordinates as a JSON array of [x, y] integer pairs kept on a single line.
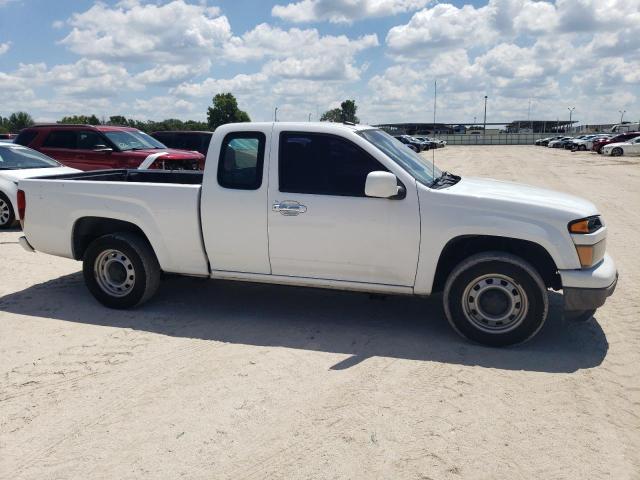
[[81, 119], [19, 120], [333, 115], [346, 113], [225, 110]]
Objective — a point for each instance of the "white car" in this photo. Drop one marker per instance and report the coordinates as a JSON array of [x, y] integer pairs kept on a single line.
[[329, 205], [586, 143], [632, 147], [16, 163]]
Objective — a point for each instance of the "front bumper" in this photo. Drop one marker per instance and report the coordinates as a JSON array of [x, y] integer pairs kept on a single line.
[[588, 289]]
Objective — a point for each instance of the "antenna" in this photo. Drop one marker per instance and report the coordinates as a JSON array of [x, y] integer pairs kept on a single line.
[[433, 150]]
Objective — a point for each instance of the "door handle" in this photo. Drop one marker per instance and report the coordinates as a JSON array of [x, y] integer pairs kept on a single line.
[[288, 208]]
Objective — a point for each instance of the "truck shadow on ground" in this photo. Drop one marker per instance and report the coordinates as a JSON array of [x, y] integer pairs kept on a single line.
[[319, 320]]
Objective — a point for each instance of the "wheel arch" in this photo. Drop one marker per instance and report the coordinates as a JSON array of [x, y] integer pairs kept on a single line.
[[461, 247], [87, 229]]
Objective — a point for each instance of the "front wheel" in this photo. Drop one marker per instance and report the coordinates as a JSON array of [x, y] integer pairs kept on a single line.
[[616, 152], [496, 299], [121, 270], [7, 215]]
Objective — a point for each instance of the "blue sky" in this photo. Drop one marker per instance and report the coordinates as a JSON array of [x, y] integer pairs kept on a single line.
[[160, 59]]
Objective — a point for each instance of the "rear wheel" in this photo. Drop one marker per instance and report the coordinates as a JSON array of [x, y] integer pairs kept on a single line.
[[582, 147], [496, 299], [121, 270], [7, 215]]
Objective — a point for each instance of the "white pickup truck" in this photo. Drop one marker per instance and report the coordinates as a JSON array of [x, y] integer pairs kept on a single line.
[[333, 206]]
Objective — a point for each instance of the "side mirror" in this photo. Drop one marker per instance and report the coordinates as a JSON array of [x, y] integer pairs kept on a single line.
[[381, 185], [102, 148]]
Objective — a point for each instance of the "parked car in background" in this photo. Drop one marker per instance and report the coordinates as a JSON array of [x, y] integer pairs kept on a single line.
[[587, 143], [559, 142], [197, 141], [16, 163], [543, 142], [410, 142], [7, 137], [432, 142], [89, 147], [330, 206], [569, 144], [630, 147], [623, 137]]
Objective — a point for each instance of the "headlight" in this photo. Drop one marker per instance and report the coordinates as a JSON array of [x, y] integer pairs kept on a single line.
[[586, 225], [588, 254]]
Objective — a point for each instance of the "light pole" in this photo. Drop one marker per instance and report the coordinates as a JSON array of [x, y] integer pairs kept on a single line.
[[529, 115], [309, 117], [484, 125], [571, 109], [275, 115], [621, 112]]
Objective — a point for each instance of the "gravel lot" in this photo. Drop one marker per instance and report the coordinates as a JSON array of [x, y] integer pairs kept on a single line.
[[232, 381]]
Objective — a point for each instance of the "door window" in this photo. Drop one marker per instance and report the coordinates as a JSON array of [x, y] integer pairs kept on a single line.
[[61, 139], [323, 165], [241, 160], [88, 140]]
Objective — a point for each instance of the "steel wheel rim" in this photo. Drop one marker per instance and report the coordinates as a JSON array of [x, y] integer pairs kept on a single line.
[[114, 272], [5, 212], [502, 311]]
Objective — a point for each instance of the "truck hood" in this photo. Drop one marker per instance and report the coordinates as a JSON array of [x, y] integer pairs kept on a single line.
[[520, 198], [16, 175]]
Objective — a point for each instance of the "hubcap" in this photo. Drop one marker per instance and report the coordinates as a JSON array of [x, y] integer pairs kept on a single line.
[[494, 303], [5, 213], [114, 273]]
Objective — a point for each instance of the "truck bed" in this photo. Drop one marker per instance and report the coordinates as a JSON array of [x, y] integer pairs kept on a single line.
[[163, 204], [187, 177]]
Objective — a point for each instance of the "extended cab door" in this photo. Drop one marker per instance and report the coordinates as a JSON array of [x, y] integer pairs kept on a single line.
[[234, 200], [330, 229]]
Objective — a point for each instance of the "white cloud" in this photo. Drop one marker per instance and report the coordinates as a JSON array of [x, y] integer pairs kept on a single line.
[[208, 88], [135, 31], [442, 27], [4, 47], [343, 11]]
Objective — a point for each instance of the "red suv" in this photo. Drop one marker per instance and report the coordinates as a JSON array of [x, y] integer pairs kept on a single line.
[[623, 137], [88, 147]]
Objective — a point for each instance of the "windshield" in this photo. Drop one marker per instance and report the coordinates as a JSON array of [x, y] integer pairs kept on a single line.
[[15, 157], [413, 163], [133, 140]]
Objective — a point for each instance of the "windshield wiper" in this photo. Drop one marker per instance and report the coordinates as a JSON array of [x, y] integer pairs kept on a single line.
[[446, 179]]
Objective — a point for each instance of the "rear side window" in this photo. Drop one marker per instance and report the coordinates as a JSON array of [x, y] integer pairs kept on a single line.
[[25, 137], [61, 139], [241, 160], [323, 165]]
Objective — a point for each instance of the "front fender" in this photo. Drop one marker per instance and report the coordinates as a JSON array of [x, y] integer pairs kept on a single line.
[[444, 221]]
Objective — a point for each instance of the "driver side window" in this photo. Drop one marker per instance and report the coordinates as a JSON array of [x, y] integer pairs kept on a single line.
[[323, 164]]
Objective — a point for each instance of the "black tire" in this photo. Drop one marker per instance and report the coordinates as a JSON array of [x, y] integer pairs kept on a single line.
[[7, 215], [136, 261], [508, 275], [582, 148], [579, 315], [617, 152]]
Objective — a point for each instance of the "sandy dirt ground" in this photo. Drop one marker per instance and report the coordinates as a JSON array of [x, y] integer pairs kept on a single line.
[[216, 380]]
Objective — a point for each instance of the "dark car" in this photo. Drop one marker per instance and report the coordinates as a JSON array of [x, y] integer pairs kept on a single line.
[[623, 137], [96, 147], [185, 140], [412, 143], [7, 136]]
